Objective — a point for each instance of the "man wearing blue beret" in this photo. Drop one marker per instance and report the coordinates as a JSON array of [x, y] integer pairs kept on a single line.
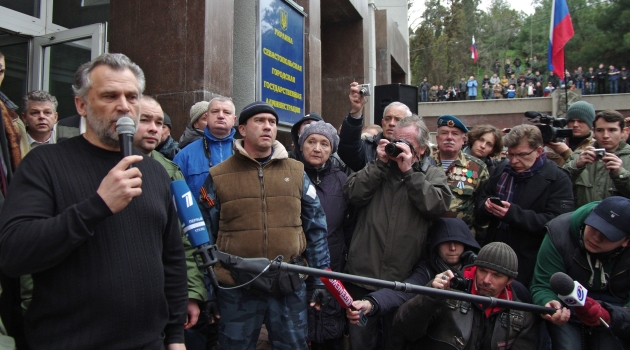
[[466, 174]]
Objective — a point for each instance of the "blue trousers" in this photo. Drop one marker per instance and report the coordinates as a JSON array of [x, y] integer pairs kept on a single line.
[[424, 97], [613, 87], [243, 313]]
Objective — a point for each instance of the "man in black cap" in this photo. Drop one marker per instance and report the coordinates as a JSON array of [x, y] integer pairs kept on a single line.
[[260, 204], [590, 246], [456, 324], [168, 147], [580, 116]]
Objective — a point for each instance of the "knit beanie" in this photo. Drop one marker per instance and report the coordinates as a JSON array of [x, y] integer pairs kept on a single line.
[[167, 121], [321, 128], [499, 257], [255, 108], [197, 110], [583, 111]]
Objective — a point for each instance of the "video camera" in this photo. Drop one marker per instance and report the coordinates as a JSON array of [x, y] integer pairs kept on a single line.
[[551, 128]]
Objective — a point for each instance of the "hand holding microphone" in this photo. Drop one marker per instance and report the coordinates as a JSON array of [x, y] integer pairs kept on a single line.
[[592, 313], [586, 309], [344, 298]]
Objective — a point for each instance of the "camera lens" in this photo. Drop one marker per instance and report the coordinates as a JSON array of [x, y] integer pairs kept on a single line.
[[392, 150], [363, 91]]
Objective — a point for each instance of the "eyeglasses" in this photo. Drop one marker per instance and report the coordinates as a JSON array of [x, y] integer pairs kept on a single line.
[[520, 155]]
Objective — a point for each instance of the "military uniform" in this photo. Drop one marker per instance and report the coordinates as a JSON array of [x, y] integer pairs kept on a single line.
[[466, 176]]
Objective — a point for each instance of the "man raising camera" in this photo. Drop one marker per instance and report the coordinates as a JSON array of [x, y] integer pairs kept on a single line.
[[397, 197], [602, 170], [451, 323], [580, 117]]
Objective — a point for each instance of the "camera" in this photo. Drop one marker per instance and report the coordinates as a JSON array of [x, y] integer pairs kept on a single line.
[[364, 89], [551, 128], [392, 150], [599, 152], [461, 283]]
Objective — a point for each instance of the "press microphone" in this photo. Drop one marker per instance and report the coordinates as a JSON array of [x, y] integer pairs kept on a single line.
[[569, 291], [194, 226], [336, 288], [125, 128]]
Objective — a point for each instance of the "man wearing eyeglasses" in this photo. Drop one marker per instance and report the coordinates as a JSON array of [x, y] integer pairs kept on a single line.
[[522, 196]]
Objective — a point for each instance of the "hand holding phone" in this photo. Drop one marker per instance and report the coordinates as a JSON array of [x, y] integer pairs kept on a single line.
[[497, 201]]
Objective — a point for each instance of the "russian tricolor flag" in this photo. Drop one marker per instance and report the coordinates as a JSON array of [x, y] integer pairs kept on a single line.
[[473, 50], [560, 33]]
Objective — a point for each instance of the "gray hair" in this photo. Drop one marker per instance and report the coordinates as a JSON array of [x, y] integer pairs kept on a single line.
[[38, 96], [223, 99], [423, 131], [115, 61], [398, 104], [524, 132]]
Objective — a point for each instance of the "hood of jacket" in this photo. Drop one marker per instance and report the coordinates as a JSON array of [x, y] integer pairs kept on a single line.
[[190, 134]]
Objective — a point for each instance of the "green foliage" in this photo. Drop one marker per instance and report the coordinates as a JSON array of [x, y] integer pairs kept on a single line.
[[439, 47]]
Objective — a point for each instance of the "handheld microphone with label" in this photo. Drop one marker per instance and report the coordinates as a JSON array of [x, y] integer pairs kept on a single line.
[[336, 288], [125, 128], [194, 227], [569, 291]]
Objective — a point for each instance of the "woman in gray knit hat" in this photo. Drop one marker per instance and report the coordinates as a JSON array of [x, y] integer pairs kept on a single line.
[[316, 143]]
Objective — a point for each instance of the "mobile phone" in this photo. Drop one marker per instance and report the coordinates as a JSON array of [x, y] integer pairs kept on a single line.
[[599, 152], [497, 201]]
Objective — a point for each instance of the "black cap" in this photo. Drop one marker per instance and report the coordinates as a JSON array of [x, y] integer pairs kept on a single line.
[[256, 108]]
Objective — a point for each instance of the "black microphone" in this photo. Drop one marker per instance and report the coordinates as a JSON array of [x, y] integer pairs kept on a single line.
[[125, 128], [568, 290]]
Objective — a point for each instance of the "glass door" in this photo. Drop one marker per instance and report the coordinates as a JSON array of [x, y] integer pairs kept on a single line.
[[56, 57]]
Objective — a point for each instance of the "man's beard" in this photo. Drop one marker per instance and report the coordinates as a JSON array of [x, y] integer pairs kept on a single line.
[[102, 127]]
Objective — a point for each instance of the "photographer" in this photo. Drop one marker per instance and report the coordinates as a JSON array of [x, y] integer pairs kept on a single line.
[[449, 323], [580, 117], [353, 150], [599, 175], [397, 195]]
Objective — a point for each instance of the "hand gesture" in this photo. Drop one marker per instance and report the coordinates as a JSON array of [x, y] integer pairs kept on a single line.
[[356, 100], [121, 185], [442, 280]]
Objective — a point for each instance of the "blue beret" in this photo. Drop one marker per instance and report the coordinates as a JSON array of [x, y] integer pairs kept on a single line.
[[449, 120]]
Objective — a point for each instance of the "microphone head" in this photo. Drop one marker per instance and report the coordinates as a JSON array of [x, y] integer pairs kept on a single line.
[[125, 125], [561, 283]]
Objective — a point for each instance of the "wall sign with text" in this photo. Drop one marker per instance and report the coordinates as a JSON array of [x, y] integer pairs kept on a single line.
[[281, 58]]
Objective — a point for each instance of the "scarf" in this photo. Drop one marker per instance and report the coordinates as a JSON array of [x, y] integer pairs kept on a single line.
[[505, 185]]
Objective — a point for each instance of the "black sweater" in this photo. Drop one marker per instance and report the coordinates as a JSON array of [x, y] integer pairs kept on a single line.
[[101, 281]]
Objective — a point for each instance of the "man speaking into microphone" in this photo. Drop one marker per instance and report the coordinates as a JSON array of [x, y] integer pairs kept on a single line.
[[100, 239], [588, 245]]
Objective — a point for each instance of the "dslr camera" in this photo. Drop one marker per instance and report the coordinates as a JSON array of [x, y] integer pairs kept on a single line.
[[551, 128], [392, 150], [461, 283], [364, 89]]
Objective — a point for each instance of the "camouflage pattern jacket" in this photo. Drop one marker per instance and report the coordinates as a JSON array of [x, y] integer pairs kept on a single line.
[[466, 177]]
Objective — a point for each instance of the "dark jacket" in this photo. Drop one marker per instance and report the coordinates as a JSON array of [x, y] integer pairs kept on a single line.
[[168, 148], [453, 324], [190, 134], [602, 74], [442, 230], [537, 200], [562, 251], [296, 148], [354, 151], [395, 212]]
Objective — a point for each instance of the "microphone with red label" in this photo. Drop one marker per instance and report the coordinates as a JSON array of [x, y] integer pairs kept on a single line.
[[343, 297]]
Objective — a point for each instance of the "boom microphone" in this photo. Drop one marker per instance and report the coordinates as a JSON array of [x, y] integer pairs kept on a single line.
[[336, 288], [125, 128], [569, 291], [193, 226]]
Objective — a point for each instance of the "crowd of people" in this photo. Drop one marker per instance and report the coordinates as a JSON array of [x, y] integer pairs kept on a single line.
[[92, 254], [523, 80]]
